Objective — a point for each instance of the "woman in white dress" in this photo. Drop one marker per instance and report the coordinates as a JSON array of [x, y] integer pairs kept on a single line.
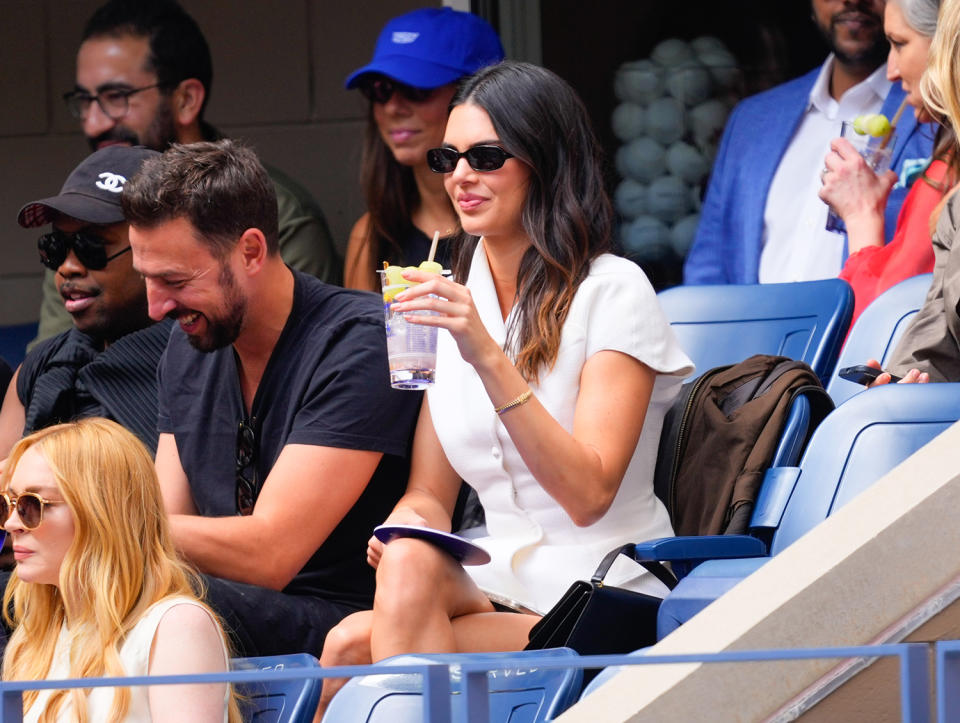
[[555, 368], [98, 589]]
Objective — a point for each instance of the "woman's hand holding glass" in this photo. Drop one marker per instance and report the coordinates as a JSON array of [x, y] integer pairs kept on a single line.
[[856, 193], [456, 313]]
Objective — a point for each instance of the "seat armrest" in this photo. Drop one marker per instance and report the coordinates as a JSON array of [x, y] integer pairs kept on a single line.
[[697, 548]]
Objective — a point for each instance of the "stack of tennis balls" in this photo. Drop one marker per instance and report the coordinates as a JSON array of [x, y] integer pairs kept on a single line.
[[673, 107]]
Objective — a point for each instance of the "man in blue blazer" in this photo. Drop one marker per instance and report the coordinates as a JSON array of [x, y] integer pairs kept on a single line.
[[759, 135]]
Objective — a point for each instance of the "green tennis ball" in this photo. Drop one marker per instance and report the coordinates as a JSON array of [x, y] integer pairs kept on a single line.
[[860, 124]]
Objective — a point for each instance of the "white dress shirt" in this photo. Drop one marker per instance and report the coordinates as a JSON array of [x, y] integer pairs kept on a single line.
[[537, 550], [796, 244]]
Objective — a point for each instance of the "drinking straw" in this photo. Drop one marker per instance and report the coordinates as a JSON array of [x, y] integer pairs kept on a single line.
[[433, 245]]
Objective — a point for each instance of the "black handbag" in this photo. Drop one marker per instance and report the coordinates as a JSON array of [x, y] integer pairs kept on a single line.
[[597, 619]]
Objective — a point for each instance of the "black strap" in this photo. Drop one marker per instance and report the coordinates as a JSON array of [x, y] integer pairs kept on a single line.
[[657, 569]]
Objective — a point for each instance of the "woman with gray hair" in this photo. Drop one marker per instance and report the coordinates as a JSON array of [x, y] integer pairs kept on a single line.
[[859, 195]]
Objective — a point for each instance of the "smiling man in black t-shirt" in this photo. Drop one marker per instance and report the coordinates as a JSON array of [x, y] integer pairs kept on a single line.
[[282, 444]]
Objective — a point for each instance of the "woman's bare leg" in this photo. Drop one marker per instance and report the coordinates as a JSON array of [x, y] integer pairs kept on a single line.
[[493, 632], [420, 589]]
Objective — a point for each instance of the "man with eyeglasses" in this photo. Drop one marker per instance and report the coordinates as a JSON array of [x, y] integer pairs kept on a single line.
[[144, 77], [282, 444], [106, 363]]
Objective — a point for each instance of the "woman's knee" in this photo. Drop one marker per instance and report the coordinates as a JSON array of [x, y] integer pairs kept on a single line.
[[411, 565]]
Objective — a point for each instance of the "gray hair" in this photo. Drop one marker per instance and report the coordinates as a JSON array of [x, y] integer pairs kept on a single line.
[[921, 15]]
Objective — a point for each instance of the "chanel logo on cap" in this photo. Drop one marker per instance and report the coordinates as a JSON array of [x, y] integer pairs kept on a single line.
[[112, 182]]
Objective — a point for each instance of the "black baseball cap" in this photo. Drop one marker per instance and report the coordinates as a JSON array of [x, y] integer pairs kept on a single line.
[[92, 191]]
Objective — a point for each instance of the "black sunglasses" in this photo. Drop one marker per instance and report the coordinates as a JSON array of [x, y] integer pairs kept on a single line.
[[380, 90], [246, 456], [29, 507], [90, 249], [480, 158]]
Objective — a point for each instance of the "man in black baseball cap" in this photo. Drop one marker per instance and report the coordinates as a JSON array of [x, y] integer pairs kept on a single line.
[[106, 364]]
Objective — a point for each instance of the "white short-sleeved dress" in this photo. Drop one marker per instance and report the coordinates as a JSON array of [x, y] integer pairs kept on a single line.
[[537, 551], [135, 658]]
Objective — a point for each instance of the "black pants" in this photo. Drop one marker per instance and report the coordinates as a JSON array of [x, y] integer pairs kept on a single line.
[[261, 621]]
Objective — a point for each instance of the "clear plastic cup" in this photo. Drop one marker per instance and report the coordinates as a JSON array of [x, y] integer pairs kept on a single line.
[[877, 152], [411, 348]]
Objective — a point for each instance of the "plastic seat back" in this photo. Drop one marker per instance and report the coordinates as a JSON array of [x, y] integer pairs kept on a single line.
[[279, 701], [860, 442], [13, 342], [877, 331], [726, 324], [517, 695]]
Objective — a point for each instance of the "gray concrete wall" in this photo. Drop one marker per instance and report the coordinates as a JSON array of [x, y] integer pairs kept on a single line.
[[278, 83]]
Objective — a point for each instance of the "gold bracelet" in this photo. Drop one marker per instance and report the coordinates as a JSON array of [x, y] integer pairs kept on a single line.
[[522, 399]]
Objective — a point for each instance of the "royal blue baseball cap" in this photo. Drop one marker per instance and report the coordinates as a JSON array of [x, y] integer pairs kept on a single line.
[[431, 47]]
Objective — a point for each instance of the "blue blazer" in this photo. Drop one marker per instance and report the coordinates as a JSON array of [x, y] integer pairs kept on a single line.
[[729, 239]]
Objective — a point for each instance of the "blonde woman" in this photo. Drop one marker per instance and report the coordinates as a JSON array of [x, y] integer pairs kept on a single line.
[[98, 589]]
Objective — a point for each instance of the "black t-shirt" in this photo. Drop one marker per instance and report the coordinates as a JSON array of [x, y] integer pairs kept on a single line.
[[415, 245], [327, 384], [6, 373]]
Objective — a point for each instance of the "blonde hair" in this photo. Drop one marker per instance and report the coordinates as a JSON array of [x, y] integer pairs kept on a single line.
[[120, 562], [939, 84]]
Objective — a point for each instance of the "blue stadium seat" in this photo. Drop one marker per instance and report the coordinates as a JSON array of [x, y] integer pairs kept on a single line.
[[13, 342], [280, 701], [856, 445], [877, 330], [726, 324], [517, 695]]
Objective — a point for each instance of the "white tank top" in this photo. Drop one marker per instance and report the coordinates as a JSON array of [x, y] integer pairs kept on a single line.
[[135, 658]]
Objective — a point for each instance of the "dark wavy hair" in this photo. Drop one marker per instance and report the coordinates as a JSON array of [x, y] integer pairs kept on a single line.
[[567, 214], [178, 49], [391, 195]]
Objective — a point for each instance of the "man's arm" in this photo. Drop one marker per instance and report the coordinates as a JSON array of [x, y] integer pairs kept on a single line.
[[308, 492], [174, 485], [12, 418]]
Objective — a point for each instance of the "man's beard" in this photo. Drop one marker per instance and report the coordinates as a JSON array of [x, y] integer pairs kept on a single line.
[[158, 136], [223, 330], [872, 56]]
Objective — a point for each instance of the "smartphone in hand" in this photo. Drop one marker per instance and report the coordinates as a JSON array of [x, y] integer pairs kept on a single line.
[[863, 374]]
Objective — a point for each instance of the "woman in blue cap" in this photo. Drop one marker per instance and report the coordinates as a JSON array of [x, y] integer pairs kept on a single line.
[[417, 62]]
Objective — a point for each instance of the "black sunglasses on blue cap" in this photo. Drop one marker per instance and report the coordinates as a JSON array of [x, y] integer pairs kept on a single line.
[[480, 158]]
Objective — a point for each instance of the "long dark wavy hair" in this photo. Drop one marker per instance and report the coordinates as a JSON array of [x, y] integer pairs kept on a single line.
[[567, 214], [391, 195]]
